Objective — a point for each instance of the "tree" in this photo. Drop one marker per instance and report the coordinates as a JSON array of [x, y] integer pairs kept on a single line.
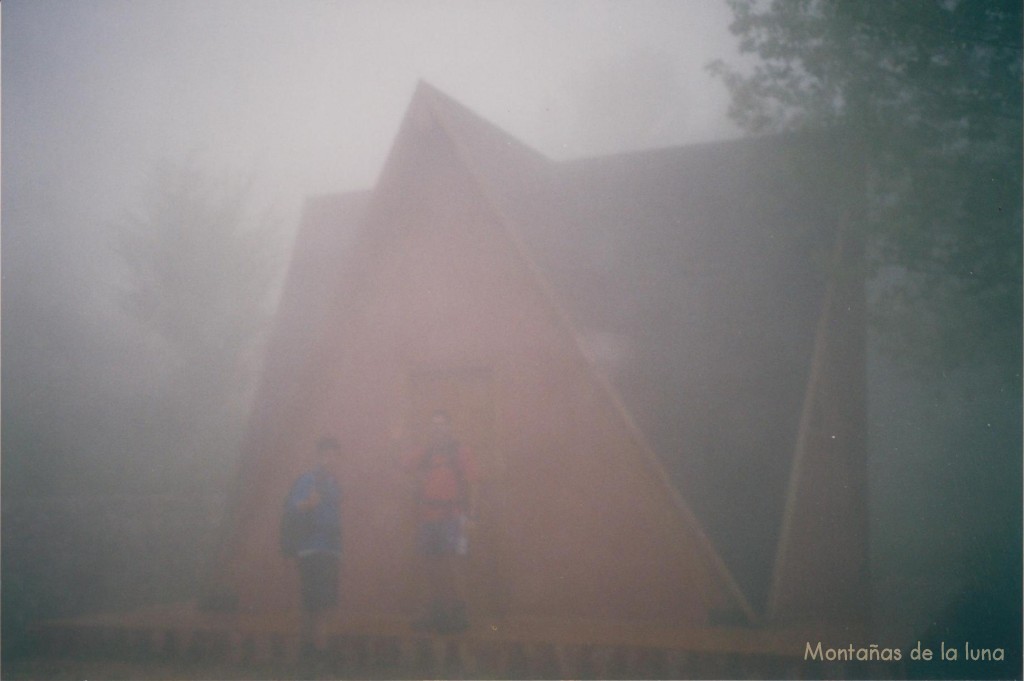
[[925, 99], [926, 95], [199, 276]]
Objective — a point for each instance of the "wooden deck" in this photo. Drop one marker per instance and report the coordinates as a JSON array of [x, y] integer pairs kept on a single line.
[[383, 647]]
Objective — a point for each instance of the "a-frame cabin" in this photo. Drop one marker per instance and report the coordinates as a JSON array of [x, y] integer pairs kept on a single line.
[[437, 303], [658, 358]]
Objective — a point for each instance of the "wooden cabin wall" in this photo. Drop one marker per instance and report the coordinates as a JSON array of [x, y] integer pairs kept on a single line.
[[574, 524]]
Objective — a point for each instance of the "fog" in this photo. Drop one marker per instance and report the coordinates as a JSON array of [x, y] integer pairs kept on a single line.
[[296, 100], [274, 102]]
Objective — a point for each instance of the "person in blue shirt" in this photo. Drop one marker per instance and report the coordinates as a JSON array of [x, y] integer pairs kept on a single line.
[[315, 505]]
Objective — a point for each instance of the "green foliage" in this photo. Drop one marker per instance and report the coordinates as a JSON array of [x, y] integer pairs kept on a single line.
[[926, 95]]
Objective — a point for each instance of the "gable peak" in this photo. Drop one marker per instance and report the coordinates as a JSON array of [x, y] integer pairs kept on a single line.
[[464, 125]]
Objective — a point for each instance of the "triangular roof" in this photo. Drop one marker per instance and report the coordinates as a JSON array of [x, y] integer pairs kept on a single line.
[[703, 268], [523, 188], [696, 265]]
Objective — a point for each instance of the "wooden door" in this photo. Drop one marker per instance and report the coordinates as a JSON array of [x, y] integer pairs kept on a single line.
[[468, 397]]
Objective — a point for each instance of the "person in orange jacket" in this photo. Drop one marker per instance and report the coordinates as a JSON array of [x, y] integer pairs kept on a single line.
[[444, 474]]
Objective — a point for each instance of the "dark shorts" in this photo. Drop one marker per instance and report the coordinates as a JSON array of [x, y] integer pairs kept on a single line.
[[442, 537], [319, 575]]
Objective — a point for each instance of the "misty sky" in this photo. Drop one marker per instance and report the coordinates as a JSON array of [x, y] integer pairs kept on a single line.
[[308, 96]]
